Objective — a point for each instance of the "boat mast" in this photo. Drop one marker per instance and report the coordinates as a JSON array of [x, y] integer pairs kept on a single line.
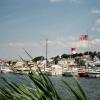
[[88, 44], [88, 47], [46, 53]]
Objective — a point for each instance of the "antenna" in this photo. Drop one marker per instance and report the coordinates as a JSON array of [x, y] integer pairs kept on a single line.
[[46, 52], [46, 63]]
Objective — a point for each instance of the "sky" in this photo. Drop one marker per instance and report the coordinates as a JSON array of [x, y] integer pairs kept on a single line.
[[26, 24]]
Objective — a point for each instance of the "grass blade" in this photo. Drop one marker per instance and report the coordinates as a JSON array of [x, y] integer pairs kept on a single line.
[[73, 90]]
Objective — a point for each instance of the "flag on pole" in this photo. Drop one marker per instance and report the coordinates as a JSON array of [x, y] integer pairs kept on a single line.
[[83, 37], [73, 50]]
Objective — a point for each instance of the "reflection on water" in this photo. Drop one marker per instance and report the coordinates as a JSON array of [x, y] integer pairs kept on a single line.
[[90, 85]]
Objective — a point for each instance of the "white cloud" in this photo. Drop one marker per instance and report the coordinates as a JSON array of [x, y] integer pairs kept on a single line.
[[97, 22], [96, 27], [95, 42], [55, 47], [68, 43], [53, 1], [19, 45], [92, 29], [96, 11], [58, 42], [76, 1]]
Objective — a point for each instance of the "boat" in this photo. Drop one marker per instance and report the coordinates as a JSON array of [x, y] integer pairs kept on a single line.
[[70, 72], [94, 74], [21, 70], [5, 70], [83, 73], [67, 73]]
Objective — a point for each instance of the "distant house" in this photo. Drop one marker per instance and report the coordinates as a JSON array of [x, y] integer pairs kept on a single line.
[[56, 70], [19, 64]]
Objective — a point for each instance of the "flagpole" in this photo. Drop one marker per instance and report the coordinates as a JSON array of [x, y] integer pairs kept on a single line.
[[46, 52], [88, 47], [86, 40]]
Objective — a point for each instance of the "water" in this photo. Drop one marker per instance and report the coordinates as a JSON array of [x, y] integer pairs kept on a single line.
[[91, 86]]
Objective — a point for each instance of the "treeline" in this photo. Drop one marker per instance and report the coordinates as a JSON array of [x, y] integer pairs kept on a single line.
[[66, 56], [91, 55], [55, 59]]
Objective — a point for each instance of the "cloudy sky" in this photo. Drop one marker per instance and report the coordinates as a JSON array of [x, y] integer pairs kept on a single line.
[[27, 23]]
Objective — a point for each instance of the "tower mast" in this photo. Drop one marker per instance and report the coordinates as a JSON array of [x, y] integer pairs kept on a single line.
[[46, 64]]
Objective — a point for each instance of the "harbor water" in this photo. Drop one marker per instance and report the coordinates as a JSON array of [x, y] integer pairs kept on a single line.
[[91, 86]]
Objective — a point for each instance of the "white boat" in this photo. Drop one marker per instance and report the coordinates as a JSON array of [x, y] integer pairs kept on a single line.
[[95, 73], [70, 72], [21, 70], [5, 70]]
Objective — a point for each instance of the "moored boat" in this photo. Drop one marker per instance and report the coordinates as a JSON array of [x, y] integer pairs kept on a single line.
[[95, 73], [5, 70], [83, 73]]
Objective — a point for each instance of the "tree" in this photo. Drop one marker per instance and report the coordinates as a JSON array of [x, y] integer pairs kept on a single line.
[[56, 59], [65, 56], [38, 58]]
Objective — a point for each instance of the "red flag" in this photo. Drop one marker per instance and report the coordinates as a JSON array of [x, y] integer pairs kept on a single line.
[[73, 50], [83, 37]]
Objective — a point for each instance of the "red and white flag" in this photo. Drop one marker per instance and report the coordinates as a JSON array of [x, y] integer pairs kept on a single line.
[[83, 37], [73, 50]]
